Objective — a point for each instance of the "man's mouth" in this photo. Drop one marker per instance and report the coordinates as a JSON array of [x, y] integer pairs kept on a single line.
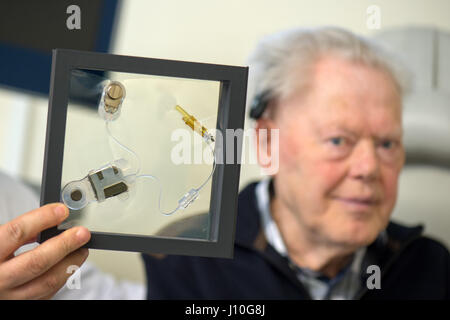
[[358, 203]]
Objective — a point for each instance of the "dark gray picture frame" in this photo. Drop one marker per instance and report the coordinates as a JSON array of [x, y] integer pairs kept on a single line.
[[225, 183]]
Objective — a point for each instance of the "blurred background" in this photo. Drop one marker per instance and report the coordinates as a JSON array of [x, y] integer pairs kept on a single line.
[[225, 32]]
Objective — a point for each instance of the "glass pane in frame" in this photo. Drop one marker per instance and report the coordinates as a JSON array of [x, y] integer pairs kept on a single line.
[[144, 158]]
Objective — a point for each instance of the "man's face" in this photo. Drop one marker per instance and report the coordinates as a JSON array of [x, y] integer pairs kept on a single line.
[[341, 153]]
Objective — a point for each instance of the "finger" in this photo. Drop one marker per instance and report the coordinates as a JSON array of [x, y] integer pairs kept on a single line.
[[48, 284], [23, 248], [34, 263], [49, 297], [27, 226]]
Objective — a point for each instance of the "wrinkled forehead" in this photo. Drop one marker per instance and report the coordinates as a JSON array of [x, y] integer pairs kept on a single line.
[[344, 92], [376, 120]]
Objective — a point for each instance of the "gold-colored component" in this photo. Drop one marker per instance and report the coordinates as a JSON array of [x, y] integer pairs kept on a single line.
[[193, 123], [114, 94]]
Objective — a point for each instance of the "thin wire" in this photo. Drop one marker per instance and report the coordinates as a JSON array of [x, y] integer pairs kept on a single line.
[[197, 190], [124, 147], [160, 194], [212, 171], [154, 177]]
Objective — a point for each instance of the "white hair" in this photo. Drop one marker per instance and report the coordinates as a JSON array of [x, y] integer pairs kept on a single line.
[[275, 56]]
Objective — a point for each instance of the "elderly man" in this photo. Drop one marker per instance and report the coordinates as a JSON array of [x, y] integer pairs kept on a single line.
[[319, 227]]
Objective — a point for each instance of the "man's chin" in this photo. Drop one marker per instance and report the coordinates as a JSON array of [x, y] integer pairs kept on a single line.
[[357, 237]]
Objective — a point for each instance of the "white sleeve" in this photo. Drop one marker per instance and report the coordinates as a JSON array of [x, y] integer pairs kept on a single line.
[[97, 285], [16, 199]]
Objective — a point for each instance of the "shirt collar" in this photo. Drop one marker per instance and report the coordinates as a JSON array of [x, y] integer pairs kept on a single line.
[[269, 226]]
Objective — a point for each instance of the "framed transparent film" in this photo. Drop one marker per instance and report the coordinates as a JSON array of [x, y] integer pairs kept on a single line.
[[135, 147]]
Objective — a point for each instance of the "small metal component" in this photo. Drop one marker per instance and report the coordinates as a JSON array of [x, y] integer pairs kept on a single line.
[[115, 190], [107, 182], [98, 185], [194, 124], [113, 97], [76, 195]]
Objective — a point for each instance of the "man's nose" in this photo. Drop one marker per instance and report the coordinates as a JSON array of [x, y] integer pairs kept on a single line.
[[364, 161]]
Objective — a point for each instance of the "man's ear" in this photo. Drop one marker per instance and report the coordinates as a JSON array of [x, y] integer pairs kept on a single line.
[[264, 135]]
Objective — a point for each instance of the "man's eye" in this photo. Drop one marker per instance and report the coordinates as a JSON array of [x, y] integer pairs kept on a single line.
[[337, 141], [387, 144]]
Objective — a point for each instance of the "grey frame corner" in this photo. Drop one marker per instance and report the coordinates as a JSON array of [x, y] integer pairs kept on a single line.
[[225, 185]]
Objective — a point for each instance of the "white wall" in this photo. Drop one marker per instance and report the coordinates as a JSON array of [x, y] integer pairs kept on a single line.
[[212, 31]]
